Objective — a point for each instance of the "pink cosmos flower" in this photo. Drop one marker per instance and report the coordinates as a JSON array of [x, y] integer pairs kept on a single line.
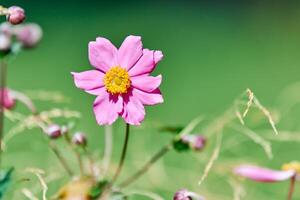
[[121, 80], [260, 174]]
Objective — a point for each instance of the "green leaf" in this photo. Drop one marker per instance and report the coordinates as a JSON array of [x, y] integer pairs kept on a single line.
[[5, 179], [97, 190]]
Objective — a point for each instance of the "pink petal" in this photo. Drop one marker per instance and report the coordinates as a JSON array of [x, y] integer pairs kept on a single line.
[[146, 83], [130, 51], [107, 108], [134, 111], [102, 54], [150, 98], [8, 100], [90, 81], [263, 174], [158, 56], [146, 63]]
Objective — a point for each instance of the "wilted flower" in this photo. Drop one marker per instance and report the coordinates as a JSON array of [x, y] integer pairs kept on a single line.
[[29, 34], [16, 15], [121, 80], [187, 142], [196, 142], [79, 139], [8, 101], [53, 131], [5, 42], [184, 194], [77, 189], [260, 174]]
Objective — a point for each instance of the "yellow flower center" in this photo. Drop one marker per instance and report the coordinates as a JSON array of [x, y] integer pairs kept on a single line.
[[117, 80], [292, 166]]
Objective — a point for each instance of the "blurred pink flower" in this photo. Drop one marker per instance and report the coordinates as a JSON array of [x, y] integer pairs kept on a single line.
[[6, 99], [121, 80], [260, 174], [29, 34]]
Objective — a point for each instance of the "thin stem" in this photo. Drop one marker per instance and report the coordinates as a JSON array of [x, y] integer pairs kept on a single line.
[[108, 187], [107, 150], [77, 154], [91, 161], [292, 187], [122, 159], [146, 166], [61, 159], [2, 88]]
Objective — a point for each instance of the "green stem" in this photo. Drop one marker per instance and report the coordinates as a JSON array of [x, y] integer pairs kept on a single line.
[[122, 159], [292, 188], [61, 159], [77, 154], [146, 166], [107, 189], [3, 74]]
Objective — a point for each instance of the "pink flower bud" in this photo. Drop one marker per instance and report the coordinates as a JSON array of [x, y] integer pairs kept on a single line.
[[5, 42], [79, 139], [53, 131], [16, 15], [8, 101], [184, 194], [196, 142], [29, 34]]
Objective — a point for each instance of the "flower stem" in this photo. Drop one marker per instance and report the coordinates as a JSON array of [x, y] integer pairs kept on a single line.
[[108, 187], [122, 159], [292, 187], [61, 159], [107, 150], [3, 72], [146, 167], [77, 154]]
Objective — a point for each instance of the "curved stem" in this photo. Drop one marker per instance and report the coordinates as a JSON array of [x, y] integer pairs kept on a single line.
[[77, 154], [122, 159], [61, 159], [146, 167], [2, 87], [292, 187]]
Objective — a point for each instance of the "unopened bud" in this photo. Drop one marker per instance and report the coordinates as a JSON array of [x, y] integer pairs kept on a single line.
[[29, 34], [5, 42], [8, 101], [184, 194], [53, 131], [79, 139], [16, 15]]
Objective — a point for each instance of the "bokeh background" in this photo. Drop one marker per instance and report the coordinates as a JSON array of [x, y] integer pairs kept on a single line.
[[213, 50]]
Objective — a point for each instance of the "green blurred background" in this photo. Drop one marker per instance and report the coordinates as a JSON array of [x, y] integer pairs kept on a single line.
[[213, 50]]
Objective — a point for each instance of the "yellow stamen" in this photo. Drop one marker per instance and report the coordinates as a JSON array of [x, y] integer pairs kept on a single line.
[[117, 80], [292, 166]]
